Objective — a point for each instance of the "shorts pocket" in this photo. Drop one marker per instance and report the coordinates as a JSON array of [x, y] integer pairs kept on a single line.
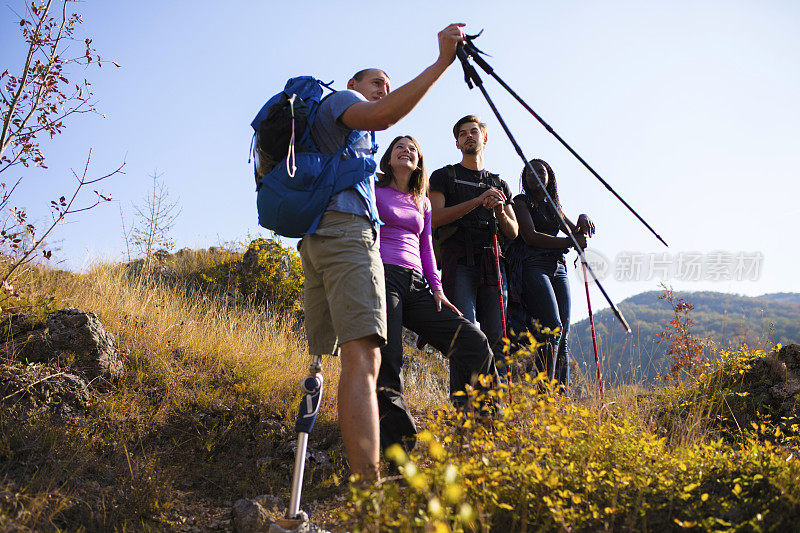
[[331, 231], [369, 236]]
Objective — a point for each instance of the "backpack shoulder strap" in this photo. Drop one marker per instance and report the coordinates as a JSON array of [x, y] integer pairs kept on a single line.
[[494, 180], [353, 137], [327, 95], [451, 175]]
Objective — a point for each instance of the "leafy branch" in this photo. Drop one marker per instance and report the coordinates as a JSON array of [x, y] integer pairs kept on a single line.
[[40, 97], [61, 208]]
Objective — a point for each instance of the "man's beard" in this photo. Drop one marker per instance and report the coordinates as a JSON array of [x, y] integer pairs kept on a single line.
[[471, 149]]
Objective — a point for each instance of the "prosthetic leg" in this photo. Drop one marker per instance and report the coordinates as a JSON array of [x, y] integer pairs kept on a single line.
[[306, 416]]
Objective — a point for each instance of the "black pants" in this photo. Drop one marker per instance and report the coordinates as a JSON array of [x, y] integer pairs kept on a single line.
[[409, 303]]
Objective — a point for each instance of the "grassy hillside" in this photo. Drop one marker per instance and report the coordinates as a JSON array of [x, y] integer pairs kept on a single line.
[[202, 415], [207, 385], [728, 320]]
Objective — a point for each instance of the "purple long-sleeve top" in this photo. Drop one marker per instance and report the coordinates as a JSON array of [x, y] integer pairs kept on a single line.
[[406, 234]]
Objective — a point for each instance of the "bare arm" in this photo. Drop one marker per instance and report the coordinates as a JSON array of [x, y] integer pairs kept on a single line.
[[441, 215], [572, 227], [382, 114], [533, 237], [507, 221]]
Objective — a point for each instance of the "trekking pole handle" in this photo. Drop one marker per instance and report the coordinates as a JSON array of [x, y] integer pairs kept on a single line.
[[470, 74]]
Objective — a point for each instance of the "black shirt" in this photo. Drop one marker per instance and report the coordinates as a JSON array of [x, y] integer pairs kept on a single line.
[[457, 191], [545, 221]]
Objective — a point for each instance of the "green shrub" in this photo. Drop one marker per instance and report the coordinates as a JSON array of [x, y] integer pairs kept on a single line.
[[273, 273], [266, 272]]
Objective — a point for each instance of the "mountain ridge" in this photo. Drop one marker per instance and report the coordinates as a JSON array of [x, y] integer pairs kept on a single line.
[[727, 320]]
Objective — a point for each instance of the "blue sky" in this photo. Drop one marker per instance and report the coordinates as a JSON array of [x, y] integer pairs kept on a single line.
[[688, 109]]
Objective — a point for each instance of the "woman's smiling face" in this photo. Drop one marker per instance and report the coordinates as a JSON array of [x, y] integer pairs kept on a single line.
[[404, 155]]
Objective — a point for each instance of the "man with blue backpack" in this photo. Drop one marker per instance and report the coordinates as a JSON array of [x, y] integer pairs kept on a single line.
[[345, 302]]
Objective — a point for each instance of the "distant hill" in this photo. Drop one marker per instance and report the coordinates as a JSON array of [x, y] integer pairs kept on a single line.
[[728, 319], [785, 297]]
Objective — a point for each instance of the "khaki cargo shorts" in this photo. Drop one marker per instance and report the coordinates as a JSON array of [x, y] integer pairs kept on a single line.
[[344, 292]]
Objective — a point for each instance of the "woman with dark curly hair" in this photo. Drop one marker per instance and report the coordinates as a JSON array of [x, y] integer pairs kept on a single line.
[[538, 269], [414, 295]]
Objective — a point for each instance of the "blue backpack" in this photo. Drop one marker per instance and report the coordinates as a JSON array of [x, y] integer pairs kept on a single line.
[[294, 180]]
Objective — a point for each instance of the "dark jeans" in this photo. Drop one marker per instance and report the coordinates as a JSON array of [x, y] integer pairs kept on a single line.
[[545, 295], [480, 303], [409, 303]]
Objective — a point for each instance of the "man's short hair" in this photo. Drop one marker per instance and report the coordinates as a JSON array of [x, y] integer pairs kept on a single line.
[[464, 120], [358, 76]]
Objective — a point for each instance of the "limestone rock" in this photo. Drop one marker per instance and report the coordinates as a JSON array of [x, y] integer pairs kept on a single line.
[[268, 501], [249, 516], [74, 333], [19, 323], [155, 271]]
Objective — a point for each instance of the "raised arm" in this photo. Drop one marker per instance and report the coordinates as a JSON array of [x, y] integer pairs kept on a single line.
[[382, 114]]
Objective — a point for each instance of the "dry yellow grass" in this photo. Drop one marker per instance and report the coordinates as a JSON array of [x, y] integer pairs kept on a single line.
[[176, 341], [179, 341]]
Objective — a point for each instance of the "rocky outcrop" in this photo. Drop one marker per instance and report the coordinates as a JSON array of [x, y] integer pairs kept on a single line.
[[70, 338], [763, 389], [155, 271], [49, 368], [784, 386]]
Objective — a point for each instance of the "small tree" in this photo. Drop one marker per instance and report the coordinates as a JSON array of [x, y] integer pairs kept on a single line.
[[35, 100], [686, 351], [154, 220]]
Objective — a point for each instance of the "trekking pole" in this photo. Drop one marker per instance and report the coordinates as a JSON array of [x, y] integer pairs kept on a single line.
[[496, 249], [471, 77], [472, 51], [307, 415], [594, 337]]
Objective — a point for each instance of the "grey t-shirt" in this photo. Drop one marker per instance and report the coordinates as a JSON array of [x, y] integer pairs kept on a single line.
[[329, 134]]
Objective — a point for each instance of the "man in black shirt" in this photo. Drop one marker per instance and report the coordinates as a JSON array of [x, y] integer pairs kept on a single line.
[[465, 200]]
